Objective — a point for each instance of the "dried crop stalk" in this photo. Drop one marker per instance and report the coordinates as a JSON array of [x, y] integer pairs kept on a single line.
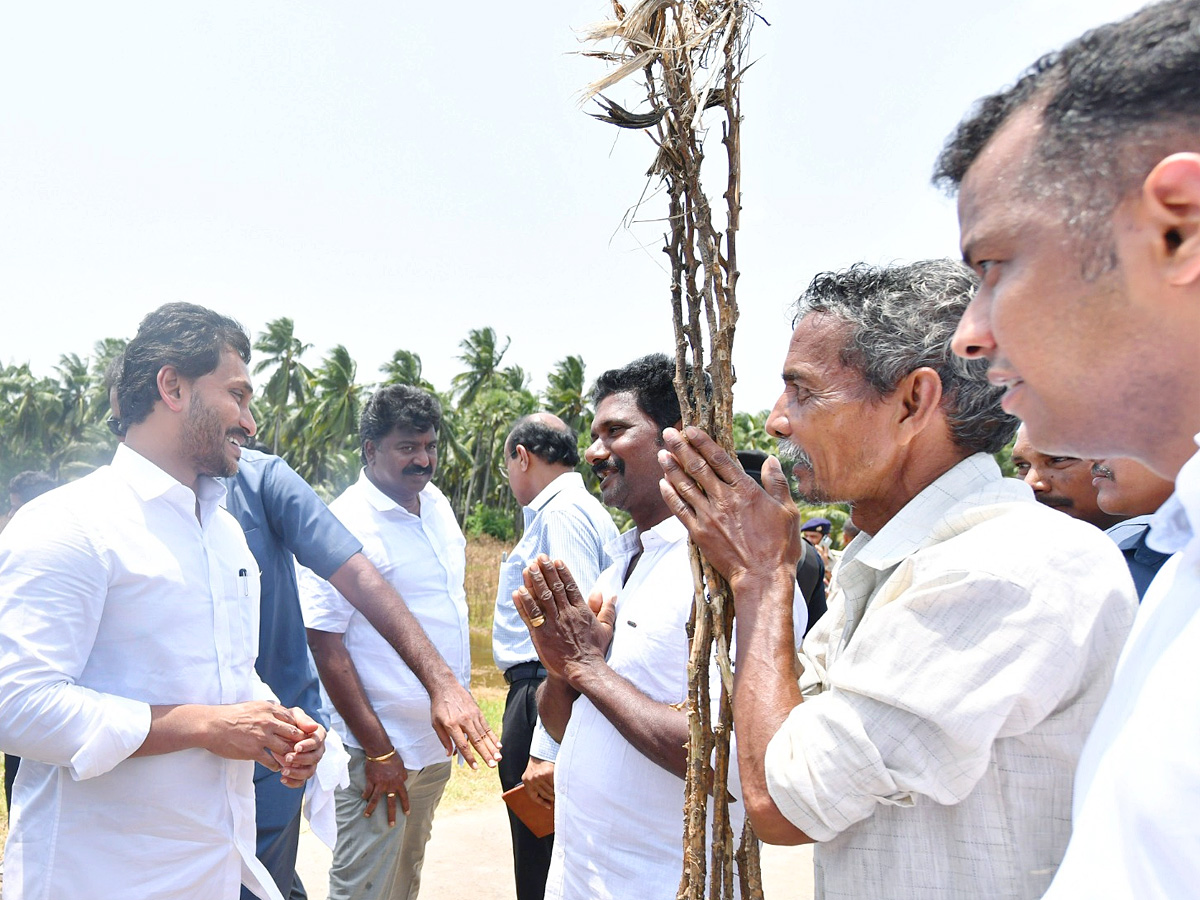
[[690, 55]]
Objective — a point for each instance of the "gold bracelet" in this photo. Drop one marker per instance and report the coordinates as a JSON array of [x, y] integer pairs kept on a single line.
[[385, 756]]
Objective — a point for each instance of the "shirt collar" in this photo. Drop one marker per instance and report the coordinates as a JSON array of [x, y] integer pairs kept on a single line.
[[1175, 523], [916, 525], [557, 486], [625, 546], [149, 482], [381, 501]]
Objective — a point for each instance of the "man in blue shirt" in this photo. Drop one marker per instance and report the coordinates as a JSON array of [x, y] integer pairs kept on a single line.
[[565, 522]]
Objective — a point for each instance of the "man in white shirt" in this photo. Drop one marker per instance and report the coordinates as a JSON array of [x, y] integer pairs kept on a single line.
[[128, 630], [946, 694], [397, 760], [618, 678], [1079, 205], [564, 521]]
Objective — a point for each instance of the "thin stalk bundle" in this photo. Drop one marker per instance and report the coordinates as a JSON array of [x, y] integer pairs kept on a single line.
[[689, 55]]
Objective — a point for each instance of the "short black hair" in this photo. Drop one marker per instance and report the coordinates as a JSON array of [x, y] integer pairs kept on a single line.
[[27, 485], [189, 337], [547, 443], [1114, 103], [395, 406], [651, 380]]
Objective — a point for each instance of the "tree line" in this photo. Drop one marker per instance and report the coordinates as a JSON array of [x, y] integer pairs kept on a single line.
[[308, 414]]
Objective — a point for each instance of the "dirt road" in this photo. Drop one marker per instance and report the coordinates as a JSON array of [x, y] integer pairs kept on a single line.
[[470, 855]]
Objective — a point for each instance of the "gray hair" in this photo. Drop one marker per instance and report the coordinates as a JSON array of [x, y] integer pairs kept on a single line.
[[901, 318]]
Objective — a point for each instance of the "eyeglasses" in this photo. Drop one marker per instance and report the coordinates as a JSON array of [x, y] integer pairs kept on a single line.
[[502, 465]]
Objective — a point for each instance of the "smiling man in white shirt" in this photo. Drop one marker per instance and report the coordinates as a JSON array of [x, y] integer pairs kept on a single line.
[[618, 679], [128, 630], [397, 760]]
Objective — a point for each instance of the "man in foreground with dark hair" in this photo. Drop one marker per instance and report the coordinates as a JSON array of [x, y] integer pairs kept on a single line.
[[128, 629], [563, 521], [945, 695], [380, 707], [618, 677], [1079, 199]]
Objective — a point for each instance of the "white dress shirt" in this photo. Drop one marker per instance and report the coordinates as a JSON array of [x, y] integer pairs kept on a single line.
[[618, 817], [1136, 831], [424, 558], [113, 598], [967, 649], [565, 522]]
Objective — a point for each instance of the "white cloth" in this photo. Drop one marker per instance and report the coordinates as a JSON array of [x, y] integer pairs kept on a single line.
[[618, 817], [1136, 829], [565, 522], [424, 558], [113, 597], [967, 649], [333, 772]]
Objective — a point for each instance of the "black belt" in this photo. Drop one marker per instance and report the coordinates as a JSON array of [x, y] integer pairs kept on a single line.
[[522, 671]]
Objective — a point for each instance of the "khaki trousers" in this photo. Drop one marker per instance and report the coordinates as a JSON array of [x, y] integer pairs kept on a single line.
[[372, 861]]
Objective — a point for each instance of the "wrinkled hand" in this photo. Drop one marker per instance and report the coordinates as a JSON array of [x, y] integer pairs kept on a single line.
[[743, 530], [460, 723], [539, 781], [572, 636], [385, 781], [301, 763], [259, 730]]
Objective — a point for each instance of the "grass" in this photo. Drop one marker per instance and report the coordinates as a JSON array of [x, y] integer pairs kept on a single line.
[[472, 789]]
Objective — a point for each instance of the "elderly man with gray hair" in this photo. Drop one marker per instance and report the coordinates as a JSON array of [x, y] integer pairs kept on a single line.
[[944, 698]]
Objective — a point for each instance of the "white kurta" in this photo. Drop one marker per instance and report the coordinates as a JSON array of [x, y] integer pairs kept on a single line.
[[113, 598]]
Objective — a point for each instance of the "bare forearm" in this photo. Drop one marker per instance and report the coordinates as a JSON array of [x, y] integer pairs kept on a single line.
[[555, 700], [370, 593], [765, 691], [173, 728], [346, 692], [656, 730]]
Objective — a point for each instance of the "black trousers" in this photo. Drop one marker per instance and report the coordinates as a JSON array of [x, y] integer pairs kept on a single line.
[[531, 855]]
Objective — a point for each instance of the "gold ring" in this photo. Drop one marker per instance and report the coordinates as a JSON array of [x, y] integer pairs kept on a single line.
[[537, 621]]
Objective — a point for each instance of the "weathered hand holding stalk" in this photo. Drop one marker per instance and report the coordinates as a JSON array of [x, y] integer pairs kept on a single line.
[[689, 54]]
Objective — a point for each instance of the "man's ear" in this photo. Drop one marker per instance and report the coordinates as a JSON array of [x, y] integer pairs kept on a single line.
[[369, 450], [523, 457], [919, 396], [170, 388], [1171, 196]]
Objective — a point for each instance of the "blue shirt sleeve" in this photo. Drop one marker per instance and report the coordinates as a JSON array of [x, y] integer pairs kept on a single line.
[[303, 522]]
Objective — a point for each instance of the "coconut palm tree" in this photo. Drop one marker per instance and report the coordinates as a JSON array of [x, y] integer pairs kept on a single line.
[[287, 387]]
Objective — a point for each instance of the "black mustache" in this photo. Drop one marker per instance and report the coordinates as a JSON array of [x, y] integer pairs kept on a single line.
[[417, 470], [601, 468]]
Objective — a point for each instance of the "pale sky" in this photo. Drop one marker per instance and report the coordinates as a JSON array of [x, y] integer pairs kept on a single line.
[[390, 175]]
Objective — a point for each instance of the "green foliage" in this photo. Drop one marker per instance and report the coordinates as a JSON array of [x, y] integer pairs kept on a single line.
[[484, 519]]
